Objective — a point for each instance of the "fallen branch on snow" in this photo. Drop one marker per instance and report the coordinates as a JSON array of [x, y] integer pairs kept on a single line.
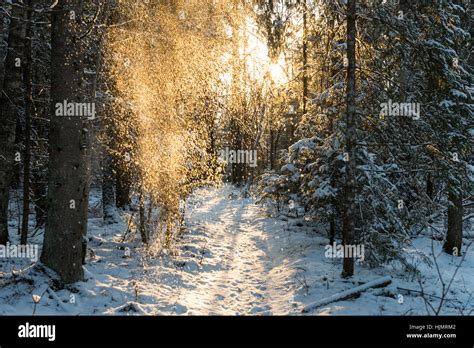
[[384, 281]]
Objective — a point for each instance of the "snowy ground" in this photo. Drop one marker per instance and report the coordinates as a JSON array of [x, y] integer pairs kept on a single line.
[[233, 260]]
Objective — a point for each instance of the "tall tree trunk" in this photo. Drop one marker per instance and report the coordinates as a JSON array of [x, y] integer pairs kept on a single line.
[[69, 168], [453, 242], [142, 219], [238, 169], [39, 190], [108, 184], [271, 151], [27, 73], [10, 99], [332, 221], [122, 185], [349, 190], [258, 135], [108, 190], [40, 123], [236, 134], [305, 56], [3, 8], [429, 186]]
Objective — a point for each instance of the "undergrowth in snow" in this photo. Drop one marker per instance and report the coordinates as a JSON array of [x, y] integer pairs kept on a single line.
[[233, 258]]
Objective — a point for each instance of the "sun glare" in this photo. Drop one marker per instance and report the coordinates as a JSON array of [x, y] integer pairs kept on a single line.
[[277, 72], [257, 56]]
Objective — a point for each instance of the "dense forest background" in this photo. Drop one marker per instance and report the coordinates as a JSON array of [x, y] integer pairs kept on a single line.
[[359, 114]]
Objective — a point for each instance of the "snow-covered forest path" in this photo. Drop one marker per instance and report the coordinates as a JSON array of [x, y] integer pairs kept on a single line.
[[235, 259], [232, 260]]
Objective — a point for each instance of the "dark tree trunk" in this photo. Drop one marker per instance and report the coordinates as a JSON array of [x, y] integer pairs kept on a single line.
[[142, 222], [453, 242], [18, 144], [108, 190], [10, 99], [238, 169], [40, 121], [2, 40], [332, 230], [39, 189], [305, 56], [122, 182], [40, 158], [429, 186], [27, 141], [69, 168], [349, 190], [271, 149]]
